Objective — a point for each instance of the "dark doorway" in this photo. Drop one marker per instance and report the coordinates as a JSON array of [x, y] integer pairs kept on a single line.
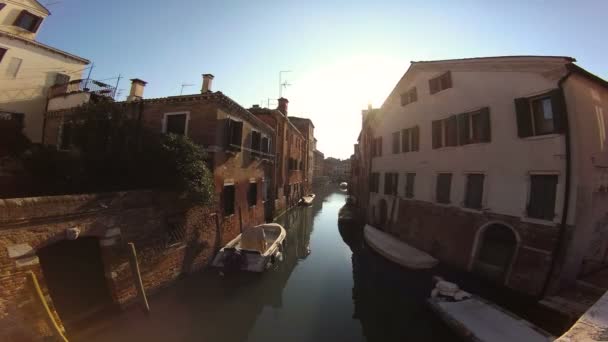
[[74, 275], [497, 245]]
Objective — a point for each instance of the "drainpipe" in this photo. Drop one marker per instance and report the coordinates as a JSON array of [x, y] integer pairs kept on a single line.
[[563, 225]]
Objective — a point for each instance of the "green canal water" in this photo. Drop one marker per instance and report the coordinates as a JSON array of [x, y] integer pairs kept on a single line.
[[329, 287]]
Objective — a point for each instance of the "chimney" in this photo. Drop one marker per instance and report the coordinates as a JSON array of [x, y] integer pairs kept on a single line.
[[137, 90], [207, 78], [283, 105]]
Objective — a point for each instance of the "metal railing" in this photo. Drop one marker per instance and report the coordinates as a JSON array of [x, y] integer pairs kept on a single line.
[[84, 85]]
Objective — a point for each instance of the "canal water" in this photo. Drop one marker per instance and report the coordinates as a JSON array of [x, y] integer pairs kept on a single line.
[[329, 287]]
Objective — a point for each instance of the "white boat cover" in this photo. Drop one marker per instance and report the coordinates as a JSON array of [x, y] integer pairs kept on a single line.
[[397, 250], [488, 323], [254, 239]]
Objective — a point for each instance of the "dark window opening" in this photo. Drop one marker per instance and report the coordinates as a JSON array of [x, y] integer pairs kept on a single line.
[[256, 141], [497, 248], [451, 131], [176, 124], [437, 134], [474, 191], [405, 140], [410, 178], [540, 115], [444, 185], [2, 53], [28, 21], [396, 142], [265, 145], [409, 96], [234, 134], [391, 181], [543, 190], [440, 83], [252, 194], [415, 133], [229, 197], [374, 182]]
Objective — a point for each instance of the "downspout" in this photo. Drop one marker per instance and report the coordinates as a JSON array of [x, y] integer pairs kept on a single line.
[[563, 225]]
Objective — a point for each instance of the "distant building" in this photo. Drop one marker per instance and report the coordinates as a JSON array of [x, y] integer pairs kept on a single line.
[[497, 166], [306, 127], [337, 170], [318, 165], [28, 68]]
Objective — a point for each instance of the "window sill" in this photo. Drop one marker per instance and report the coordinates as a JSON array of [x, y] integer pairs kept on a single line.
[[538, 221], [543, 136]]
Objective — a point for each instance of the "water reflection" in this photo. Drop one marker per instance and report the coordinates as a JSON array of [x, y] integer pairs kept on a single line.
[[313, 295]]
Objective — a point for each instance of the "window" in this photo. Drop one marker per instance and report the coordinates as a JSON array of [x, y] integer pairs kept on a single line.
[[480, 123], [256, 141], [228, 199], [410, 178], [13, 67], [396, 142], [542, 196], [444, 185], [2, 53], [451, 131], [405, 142], [415, 134], [234, 134], [61, 79], [374, 182], [176, 123], [66, 135], [377, 147], [28, 21], [440, 83], [544, 114], [437, 133], [265, 145], [252, 194], [391, 183], [474, 191], [409, 96]]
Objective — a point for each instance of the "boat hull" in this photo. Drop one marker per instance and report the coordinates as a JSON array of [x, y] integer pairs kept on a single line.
[[398, 251]]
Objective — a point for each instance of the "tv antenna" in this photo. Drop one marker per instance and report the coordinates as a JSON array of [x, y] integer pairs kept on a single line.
[[281, 83], [183, 86]]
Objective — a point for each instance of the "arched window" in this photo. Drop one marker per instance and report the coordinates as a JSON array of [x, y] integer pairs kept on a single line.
[[497, 244]]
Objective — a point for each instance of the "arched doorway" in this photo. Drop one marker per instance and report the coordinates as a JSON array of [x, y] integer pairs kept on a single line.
[[497, 244], [74, 274]]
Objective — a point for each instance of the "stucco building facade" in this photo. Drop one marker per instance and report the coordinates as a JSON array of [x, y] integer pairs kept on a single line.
[[494, 165]]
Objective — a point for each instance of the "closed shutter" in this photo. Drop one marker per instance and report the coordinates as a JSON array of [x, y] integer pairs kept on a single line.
[[61, 79], [444, 184], [463, 129], [409, 185], [414, 95], [558, 104], [434, 85], [486, 128], [396, 142], [543, 189], [405, 140], [237, 133], [446, 80], [474, 191], [415, 138], [451, 131], [437, 140], [524, 118]]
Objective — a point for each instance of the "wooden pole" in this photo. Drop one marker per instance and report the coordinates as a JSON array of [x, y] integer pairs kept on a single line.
[[241, 219], [48, 315], [141, 292]]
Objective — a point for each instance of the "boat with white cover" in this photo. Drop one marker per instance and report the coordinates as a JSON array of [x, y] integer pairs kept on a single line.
[[307, 200], [396, 250], [254, 250], [476, 319]]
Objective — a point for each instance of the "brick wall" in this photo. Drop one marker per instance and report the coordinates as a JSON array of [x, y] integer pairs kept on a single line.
[[449, 234], [29, 224]]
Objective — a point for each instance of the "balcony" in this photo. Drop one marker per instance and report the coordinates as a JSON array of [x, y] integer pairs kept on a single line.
[[82, 86]]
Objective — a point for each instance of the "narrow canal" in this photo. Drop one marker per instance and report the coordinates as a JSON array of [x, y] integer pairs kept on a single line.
[[329, 287]]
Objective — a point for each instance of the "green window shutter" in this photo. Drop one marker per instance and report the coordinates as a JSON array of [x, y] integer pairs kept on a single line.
[[437, 133], [558, 105], [415, 131], [396, 142], [434, 85], [414, 95], [524, 118], [463, 129], [405, 140], [486, 132]]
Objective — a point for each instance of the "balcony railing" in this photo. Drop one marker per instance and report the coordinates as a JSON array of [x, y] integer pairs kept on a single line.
[[89, 86]]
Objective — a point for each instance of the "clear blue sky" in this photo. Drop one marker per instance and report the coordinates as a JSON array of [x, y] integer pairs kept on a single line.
[[344, 54]]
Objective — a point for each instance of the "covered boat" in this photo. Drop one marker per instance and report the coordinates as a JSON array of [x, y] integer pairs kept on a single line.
[[343, 185], [397, 250], [307, 200], [253, 250], [476, 319]]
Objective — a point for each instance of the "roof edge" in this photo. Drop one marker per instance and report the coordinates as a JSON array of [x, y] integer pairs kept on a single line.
[[573, 68], [45, 47], [566, 58]]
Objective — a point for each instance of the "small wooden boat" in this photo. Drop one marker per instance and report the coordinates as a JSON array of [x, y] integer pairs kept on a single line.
[[396, 250], [307, 200], [256, 249], [343, 186], [476, 319]]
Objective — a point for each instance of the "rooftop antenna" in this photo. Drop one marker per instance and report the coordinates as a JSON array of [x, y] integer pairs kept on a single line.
[[183, 86], [281, 84], [118, 93]]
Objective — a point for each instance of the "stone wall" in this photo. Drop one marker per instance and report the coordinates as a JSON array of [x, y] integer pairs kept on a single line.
[[451, 235], [146, 218]]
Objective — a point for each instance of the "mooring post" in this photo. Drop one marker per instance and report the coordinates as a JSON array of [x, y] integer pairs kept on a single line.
[[241, 219], [141, 292], [48, 315]]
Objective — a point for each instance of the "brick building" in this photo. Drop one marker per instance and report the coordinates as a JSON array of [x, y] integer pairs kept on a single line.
[[495, 166], [318, 165], [290, 151], [238, 143], [306, 127]]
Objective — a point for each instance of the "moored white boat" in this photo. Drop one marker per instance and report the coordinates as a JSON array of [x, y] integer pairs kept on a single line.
[[343, 185], [476, 319], [307, 200], [396, 250], [254, 250]]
